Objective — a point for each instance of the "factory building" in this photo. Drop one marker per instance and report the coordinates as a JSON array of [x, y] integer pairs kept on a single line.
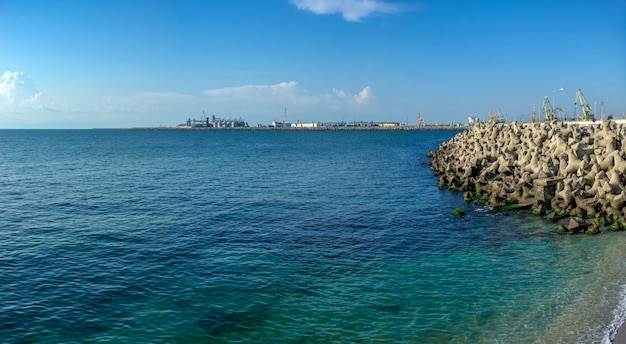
[[214, 122]]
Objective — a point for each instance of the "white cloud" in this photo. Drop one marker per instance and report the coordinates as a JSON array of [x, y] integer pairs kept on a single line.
[[289, 92], [351, 10], [364, 96], [253, 91], [21, 105], [17, 90], [360, 99], [340, 93]]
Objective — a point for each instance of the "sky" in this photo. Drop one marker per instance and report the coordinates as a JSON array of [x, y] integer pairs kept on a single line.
[[139, 63]]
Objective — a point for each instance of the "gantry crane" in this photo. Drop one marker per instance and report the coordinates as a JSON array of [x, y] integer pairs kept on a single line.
[[580, 98]]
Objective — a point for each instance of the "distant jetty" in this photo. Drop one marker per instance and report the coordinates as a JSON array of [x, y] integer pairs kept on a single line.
[[570, 171], [458, 127]]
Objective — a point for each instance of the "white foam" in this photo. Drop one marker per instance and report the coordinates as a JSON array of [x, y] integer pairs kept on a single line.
[[619, 317]]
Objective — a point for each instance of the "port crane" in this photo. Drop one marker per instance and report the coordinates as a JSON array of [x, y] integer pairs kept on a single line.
[[495, 116], [533, 115], [420, 121], [562, 112], [586, 108], [548, 110]]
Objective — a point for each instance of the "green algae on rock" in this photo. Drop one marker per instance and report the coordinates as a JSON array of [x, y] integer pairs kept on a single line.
[[564, 168]]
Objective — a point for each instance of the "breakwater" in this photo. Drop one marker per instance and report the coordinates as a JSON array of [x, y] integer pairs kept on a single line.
[[563, 170]]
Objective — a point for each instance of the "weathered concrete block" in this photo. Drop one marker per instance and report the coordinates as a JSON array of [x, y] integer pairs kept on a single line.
[[545, 189]]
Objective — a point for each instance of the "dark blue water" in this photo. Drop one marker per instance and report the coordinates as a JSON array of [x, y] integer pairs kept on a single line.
[[278, 236]]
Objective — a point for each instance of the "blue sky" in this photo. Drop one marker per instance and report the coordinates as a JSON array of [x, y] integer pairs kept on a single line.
[[86, 64]]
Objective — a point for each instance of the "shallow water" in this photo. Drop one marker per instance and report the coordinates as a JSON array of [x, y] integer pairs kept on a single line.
[[250, 236]]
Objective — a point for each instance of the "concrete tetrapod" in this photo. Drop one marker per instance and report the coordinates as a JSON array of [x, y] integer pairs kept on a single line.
[[500, 163]]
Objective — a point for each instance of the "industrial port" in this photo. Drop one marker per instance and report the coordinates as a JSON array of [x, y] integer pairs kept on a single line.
[[317, 126], [549, 112], [583, 112], [227, 123]]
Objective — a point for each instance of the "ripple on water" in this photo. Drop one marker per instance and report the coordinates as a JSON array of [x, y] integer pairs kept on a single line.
[[121, 236]]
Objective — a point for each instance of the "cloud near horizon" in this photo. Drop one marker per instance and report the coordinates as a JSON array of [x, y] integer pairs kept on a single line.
[[362, 98], [288, 91], [17, 90], [253, 91], [351, 10]]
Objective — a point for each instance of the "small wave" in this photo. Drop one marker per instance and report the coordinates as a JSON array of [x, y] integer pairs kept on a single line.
[[619, 318]]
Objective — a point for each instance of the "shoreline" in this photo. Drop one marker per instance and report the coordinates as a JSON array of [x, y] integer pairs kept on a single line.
[[617, 328], [620, 335], [571, 173], [355, 128]]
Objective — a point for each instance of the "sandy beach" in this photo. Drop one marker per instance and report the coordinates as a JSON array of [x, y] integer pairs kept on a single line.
[[620, 336]]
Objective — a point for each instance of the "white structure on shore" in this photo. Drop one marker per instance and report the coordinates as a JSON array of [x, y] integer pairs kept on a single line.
[[305, 125]]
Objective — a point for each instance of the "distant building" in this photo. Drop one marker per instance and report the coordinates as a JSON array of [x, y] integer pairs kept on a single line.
[[389, 124], [228, 122], [280, 125], [305, 125], [214, 122]]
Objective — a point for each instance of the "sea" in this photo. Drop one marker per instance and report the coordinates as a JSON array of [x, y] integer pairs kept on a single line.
[[164, 236]]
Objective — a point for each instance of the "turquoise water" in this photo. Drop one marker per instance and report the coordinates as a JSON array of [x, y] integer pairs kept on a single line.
[[274, 236]]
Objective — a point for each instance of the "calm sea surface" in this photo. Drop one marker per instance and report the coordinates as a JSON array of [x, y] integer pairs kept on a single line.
[[119, 236]]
